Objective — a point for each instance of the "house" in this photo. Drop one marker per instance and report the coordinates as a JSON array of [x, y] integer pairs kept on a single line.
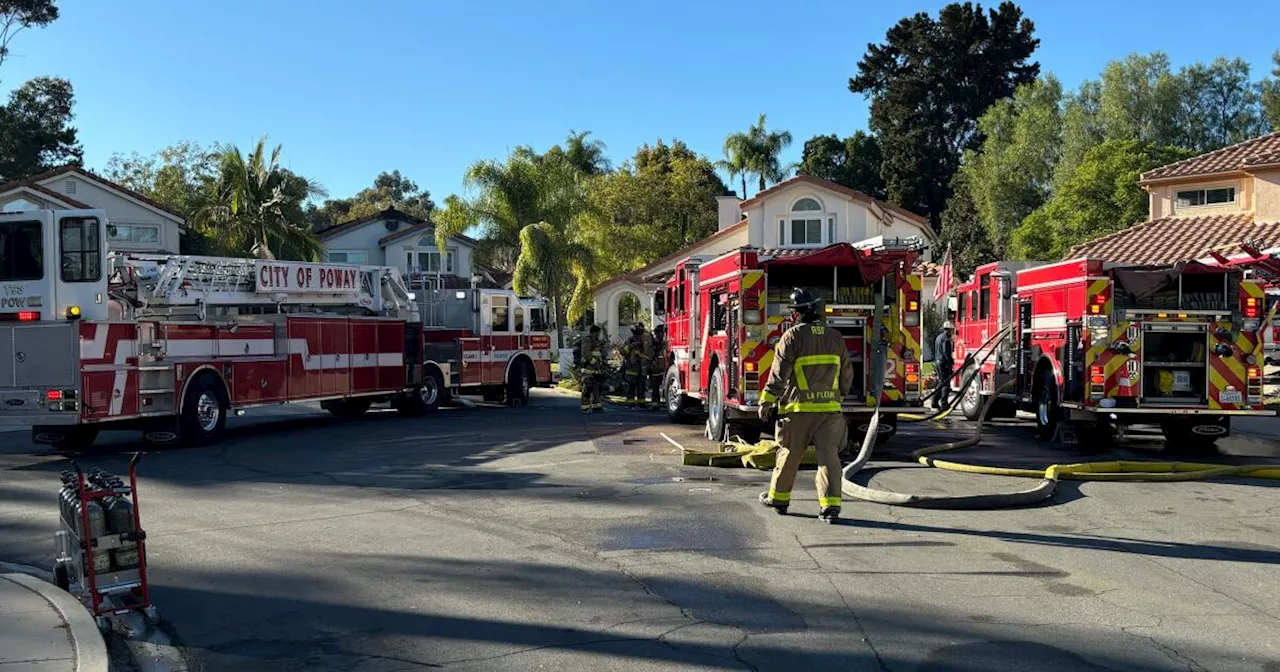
[[137, 223], [1222, 203], [398, 239], [802, 212]]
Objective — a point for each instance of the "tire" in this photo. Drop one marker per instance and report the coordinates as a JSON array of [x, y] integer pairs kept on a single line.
[[971, 402], [673, 399], [348, 408], [1048, 411], [203, 420], [1181, 438], [519, 381], [423, 399], [62, 577], [717, 411]]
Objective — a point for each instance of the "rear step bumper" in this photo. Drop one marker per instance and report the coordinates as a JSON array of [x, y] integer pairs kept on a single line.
[[1169, 411]]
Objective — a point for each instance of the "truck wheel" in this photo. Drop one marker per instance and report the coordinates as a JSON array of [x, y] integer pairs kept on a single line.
[[886, 429], [347, 408], [971, 402], [677, 404], [1048, 412], [423, 399], [1186, 438], [518, 384], [204, 412], [716, 410]]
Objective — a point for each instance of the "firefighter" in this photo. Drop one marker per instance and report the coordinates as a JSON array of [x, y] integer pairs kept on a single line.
[[590, 369], [945, 364], [810, 376], [635, 363], [657, 366]]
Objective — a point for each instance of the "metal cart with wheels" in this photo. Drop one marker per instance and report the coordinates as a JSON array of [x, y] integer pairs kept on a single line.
[[101, 545]]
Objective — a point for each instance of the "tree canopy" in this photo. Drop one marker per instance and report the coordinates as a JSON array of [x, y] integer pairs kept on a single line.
[[853, 162], [929, 82], [756, 151], [389, 190], [18, 15], [1102, 196]]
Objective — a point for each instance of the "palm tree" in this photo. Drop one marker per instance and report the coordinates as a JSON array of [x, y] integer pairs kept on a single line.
[[737, 159], [586, 155], [257, 206], [767, 153]]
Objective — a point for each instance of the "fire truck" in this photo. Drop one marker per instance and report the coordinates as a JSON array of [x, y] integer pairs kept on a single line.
[[1105, 346], [724, 315], [171, 345]]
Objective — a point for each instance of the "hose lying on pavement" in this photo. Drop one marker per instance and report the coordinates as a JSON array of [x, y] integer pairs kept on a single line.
[[1116, 471]]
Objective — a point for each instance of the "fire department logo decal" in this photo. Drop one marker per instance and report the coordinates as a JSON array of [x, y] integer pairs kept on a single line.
[[20, 356]]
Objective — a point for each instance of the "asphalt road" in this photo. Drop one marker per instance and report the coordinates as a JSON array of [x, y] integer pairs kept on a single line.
[[494, 539]]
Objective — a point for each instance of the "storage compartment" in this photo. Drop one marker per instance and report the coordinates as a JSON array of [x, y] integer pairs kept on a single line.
[[1175, 365]]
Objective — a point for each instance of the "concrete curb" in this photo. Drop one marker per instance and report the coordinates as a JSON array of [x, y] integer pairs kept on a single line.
[[91, 651]]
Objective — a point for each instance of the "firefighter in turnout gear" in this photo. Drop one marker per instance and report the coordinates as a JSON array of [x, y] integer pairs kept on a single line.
[[657, 366], [810, 376], [635, 363], [591, 369]]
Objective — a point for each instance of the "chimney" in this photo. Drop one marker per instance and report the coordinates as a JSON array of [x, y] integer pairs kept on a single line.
[[730, 213]]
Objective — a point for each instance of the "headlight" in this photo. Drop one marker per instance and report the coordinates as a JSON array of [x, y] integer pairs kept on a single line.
[[1098, 334], [1098, 322], [754, 333], [751, 316]]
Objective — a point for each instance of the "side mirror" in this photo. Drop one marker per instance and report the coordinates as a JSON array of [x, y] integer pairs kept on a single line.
[[1006, 291]]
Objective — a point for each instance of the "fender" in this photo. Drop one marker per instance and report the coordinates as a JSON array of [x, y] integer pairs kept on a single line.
[[511, 360], [182, 396], [1053, 367]]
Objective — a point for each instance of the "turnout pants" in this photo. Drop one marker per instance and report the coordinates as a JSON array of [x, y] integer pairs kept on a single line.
[[655, 389], [635, 386], [827, 433], [591, 398]]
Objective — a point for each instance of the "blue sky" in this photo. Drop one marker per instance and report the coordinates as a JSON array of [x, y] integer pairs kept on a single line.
[[427, 87]]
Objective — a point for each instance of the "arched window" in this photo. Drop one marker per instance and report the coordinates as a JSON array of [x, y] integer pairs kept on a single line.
[[806, 204], [806, 225]]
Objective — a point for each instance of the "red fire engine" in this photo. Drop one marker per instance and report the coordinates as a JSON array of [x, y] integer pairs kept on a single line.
[[170, 345], [1106, 345], [725, 314]]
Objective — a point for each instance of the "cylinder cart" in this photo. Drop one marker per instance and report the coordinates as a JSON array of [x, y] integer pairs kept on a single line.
[[102, 556]]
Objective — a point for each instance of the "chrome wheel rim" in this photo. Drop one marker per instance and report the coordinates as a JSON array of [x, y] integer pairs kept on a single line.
[[715, 404], [208, 411], [971, 397], [1042, 413], [524, 385], [429, 392], [673, 389]]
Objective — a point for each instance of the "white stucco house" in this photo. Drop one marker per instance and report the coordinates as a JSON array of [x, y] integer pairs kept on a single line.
[[138, 224], [802, 212], [395, 238]]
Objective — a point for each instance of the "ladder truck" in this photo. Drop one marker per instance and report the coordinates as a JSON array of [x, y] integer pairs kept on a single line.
[[1104, 346], [170, 345], [724, 315]]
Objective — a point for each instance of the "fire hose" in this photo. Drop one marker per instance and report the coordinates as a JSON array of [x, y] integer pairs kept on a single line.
[[1116, 471]]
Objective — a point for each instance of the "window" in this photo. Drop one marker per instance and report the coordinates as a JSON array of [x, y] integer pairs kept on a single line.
[[973, 305], [1216, 196], [21, 251], [498, 313], [805, 226], [349, 257], [133, 233], [806, 204], [428, 261], [81, 249], [984, 296], [960, 314], [519, 320], [538, 319]]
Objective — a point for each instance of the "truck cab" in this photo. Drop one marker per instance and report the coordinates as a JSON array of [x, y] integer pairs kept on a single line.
[[53, 273]]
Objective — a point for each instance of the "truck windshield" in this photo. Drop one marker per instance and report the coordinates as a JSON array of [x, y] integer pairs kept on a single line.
[[21, 251]]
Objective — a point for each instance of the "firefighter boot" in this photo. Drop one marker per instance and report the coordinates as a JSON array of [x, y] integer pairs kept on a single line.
[[779, 508], [830, 515]]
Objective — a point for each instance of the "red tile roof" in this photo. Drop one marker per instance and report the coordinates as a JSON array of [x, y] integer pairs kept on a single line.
[[90, 175], [46, 192], [928, 269], [637, 276], [838, 188], [1232, 158], [1175, 239]]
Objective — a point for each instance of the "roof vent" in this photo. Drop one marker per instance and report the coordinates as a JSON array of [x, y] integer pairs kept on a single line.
[[69, 187], [393, 224]]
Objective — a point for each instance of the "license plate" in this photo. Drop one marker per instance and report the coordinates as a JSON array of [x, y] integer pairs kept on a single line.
[[1230, 396]]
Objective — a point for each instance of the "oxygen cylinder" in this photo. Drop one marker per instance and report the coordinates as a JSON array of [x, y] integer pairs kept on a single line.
[[97, 528], [119, 512]]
